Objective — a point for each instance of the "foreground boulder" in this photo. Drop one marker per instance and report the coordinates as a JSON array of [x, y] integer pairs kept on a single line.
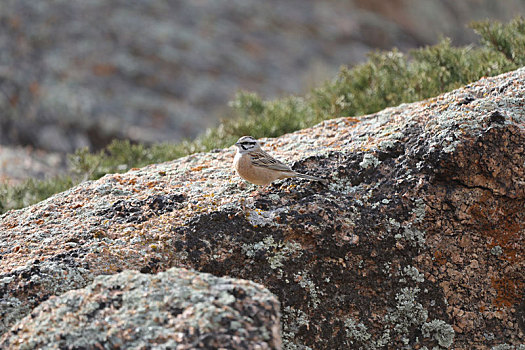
[[417, 240], [176, 309]]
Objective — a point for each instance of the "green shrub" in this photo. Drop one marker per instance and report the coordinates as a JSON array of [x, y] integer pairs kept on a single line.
[[120, 156], [31, 191], [508, 39], [386, 79]]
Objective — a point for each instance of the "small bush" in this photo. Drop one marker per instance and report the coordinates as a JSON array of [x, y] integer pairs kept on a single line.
[[120, 156], [386, 79], [508, 39], [31, 191]]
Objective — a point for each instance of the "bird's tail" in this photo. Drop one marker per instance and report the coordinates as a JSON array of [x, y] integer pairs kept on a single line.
[[313, 178]]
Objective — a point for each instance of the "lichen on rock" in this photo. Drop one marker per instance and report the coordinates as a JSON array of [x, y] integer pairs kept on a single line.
[[422, 249]]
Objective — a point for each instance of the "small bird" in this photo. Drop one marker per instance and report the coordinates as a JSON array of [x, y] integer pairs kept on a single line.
[[258, 167]]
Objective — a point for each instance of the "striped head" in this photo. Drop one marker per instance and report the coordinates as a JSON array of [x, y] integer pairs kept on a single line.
[[247, 144]]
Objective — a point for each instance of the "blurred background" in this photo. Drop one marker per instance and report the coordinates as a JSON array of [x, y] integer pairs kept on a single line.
[[76, 73]]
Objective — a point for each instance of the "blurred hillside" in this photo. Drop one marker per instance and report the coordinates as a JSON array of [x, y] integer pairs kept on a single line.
[[80, 73]]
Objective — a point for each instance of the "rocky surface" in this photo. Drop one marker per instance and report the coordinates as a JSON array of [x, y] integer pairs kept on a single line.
[[176, 309], [80, 73], [416, 242]]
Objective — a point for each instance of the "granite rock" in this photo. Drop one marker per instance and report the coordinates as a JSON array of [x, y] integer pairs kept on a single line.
[[416, 242], [175, 309]]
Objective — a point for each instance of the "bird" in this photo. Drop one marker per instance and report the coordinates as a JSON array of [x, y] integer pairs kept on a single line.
[[258, 167]]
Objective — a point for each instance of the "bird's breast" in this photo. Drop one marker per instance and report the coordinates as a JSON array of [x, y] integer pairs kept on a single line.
[[243, 165]]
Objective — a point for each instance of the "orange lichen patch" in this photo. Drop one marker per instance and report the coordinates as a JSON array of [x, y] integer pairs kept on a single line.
[[11, 224], [443, 107], [331, 143], [126, 181], [198, 168], [504, 225], [509, 291], [440, 257], [99, 233], [351, 120], [430, 101], [482, 308]]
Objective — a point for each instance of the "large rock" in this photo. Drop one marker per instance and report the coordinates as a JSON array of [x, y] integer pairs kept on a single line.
[[176, 309], [80, 73], [417, 240]]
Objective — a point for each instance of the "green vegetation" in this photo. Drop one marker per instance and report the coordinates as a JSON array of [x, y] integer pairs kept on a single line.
[[31, 191], [387, 79]]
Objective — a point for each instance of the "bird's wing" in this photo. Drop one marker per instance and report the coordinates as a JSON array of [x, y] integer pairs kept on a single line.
[[264, 160]]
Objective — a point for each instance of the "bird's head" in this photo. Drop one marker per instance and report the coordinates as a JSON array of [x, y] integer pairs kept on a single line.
[[247, 144]]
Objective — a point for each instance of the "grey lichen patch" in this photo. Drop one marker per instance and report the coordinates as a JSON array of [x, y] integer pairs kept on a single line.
[[6, 280], [258, 217], [414, 273], [341, 185], [451, 147], [393, 225], [387, 268], [514, 108], [356, 332], [419, 210], [401, 322], [508, 347], [413, 236], [388, 144], [496, 250], [408, 313], [277, 252], [440, 331], [383, 341], [292, 320], [308, 284], [104, 189], [273, 197], [369, 160]]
